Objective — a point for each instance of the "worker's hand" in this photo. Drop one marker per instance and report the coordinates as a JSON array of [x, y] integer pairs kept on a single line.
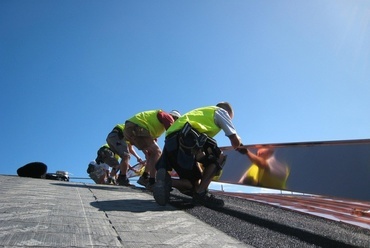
[[242, 150]]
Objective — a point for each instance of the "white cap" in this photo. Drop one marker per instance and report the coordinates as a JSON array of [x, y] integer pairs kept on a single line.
[[175, 113], [93, 163]]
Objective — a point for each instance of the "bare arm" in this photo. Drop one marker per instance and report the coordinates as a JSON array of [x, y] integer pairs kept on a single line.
[[235, 140], [259, 161]]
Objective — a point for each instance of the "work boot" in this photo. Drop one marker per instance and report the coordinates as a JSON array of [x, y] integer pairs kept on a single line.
[[149, 186], [207, 199], [111, 180], [123, 181], [188, 192], [143, 181], [162, 187]]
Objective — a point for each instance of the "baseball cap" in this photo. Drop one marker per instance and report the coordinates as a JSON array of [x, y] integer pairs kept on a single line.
[[175, 113]]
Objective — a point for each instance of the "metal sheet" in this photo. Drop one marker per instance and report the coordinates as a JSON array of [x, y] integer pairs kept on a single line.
[[332, 168]]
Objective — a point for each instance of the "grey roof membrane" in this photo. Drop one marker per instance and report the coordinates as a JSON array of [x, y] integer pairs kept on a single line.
[[48, 213]]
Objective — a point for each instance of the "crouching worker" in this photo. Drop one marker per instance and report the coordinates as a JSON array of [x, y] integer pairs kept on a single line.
[[189, 141], [119, 145], [98, 172], [266, 170], [105, 155]]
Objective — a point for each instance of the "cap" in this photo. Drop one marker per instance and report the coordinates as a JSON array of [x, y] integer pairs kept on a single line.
[[175, 113], [93, 162]]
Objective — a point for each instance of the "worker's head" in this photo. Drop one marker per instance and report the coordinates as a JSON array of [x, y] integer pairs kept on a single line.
[[265, 152], [226, 106], [91, 167]]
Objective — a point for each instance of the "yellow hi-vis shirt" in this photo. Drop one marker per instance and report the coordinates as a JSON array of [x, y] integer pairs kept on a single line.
[[116, 156], [261, 177], [201, 119], [120, 126], [149, 121]]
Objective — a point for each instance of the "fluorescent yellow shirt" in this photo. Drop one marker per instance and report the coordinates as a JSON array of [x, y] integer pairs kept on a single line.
[[263, 178], [201, 119], [116, 156], [149, 121]]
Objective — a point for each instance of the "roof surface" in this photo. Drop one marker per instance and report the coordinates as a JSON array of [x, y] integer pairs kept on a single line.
[[39, 213], [48, 213]]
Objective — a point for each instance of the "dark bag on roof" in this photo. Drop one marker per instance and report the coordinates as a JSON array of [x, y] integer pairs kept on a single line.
[[34, 170]]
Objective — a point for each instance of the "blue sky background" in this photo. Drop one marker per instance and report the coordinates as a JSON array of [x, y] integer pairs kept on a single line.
[[70, 70]]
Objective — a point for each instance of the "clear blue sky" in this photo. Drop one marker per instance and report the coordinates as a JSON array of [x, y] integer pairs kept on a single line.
[[70, 70]]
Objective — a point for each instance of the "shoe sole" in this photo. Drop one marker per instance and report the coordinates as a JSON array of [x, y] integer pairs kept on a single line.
[[124, 184], [161, 191], [142, 183], [208, 204]]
